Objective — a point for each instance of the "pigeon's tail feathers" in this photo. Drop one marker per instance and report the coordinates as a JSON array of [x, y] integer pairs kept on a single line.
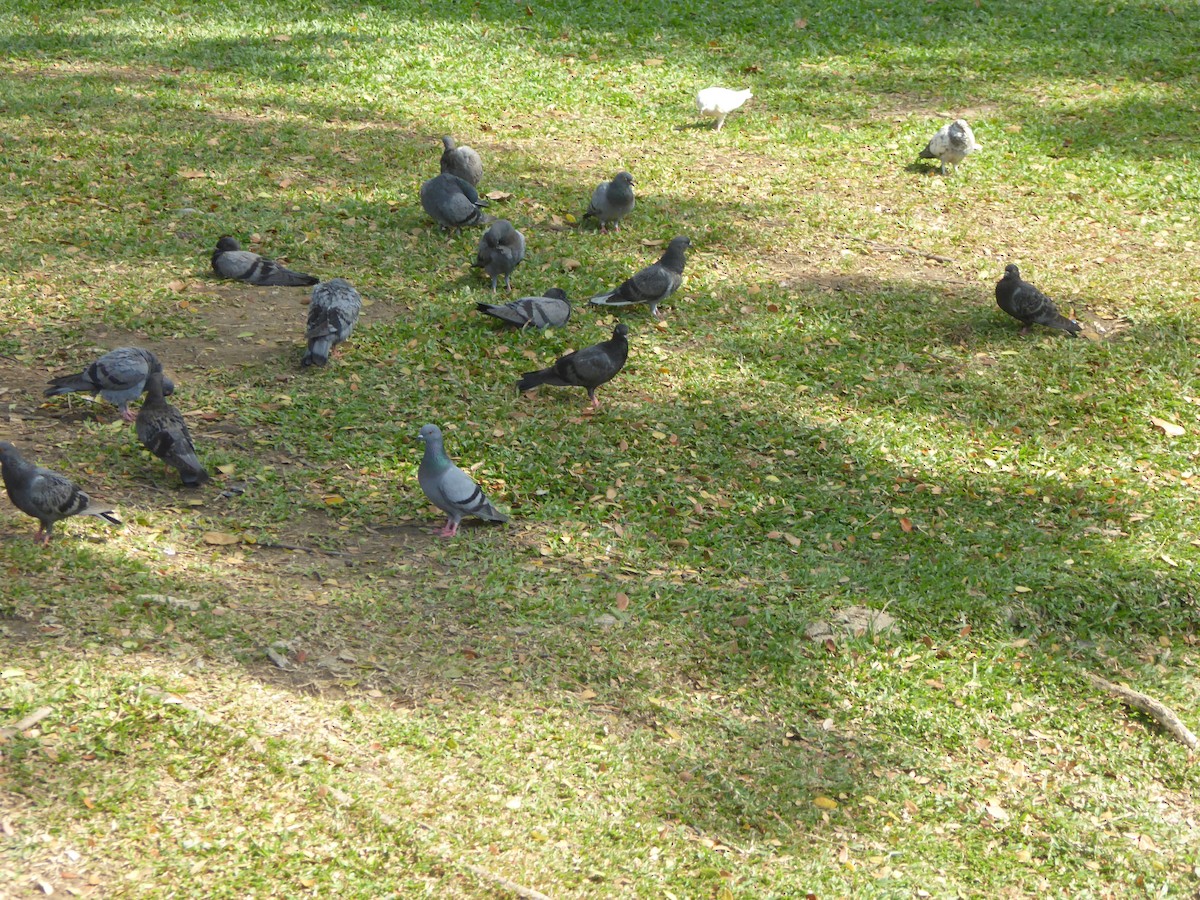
[[530, 380], [66, 384], [193, 475], [284, 277], [318, 351], [1062, 323], [611, 299], [503, 313], [101, 511], [926, 153]]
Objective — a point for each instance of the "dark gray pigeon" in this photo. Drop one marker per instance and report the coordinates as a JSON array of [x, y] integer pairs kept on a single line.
[[951, 145], [461, 161], [653, 284], [332, 315], [453, 202], [162, 431], [46, 495], [229, 260], [1028, 305], [118, 376], [449, 488], [501, 250], [612, 201], [587, 368], [550, 310]]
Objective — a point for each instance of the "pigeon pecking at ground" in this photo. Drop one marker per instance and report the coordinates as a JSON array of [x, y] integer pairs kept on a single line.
[[46, 495], [587, 368], [452, 202], [1028, 305], [118, 376], [162, 431], [461, 161], [501, 250], [552, 310], [719, 102], [653, 284], [612, 201], [449, 488], [952, 144], [229, 260], [332, 315]]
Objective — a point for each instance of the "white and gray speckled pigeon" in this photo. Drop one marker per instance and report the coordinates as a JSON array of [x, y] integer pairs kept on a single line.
[[951, 145], [332, 315], [501, 250], [452, 202], [449, 488], [612, 201], [587, 368], [653, 284], [118, 376], [229, 260], [552, 310], [162, 431], [719, 102], [461, 161], [46, 495], [1028, 305]]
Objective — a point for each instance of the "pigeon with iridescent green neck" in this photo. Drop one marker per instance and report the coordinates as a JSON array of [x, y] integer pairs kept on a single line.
[[449, 488]]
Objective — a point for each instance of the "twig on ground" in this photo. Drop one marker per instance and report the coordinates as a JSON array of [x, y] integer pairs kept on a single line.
[[525, 893], [889, 248], [26, 723], [1155, 709]]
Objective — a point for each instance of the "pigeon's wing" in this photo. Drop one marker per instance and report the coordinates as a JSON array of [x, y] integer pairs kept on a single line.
[[54, 496], [455, 493]]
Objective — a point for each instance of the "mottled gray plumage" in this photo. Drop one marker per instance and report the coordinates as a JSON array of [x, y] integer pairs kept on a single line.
[[587, 368], [46, 495], [461, 161], [612, 201], [551, 310], [449, 488], [332, 315], [229, 260], [951, 145], [452, 202], [1028, 305], [653, 284], [501, 250], [162, 431], [118, 376]]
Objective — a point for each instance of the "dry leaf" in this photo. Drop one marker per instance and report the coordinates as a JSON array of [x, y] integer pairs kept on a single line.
[[498, 195], [1170, 429], [192, 173], [622, 602], [825, 803], [220, 538], [652, 62], [906, 525]]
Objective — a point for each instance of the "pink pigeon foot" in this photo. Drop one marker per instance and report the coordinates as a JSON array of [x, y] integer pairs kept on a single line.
[[128, 415], [450, 529]]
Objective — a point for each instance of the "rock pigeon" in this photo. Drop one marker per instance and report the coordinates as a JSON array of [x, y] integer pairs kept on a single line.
[[653, 284], [952, 144], [118, 376], [1028, 305], [332, 315], [449, 488], [461, 161], [550, 310], [229, 260], [612, 201], [587, 368], [46, 495], [718, 102], [501, 250], [162, 431], [453, 202]]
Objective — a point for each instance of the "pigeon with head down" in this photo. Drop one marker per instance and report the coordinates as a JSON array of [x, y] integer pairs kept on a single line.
[[718, 102], [163, 431], [332, 315], [118, 376], [47, 496], [951, 145], [501, 250], [551, 310], [229, 260], [449, 488], [452, 202]]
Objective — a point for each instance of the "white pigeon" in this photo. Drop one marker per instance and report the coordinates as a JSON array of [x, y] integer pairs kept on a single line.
[[718, 102], [952, 144]]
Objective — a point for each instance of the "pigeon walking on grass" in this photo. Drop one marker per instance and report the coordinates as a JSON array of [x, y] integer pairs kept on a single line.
[[118, 376], [46, 495], [719, 102], [552, 310], [1028, 305], [332, 315], [587, 368], [229, 260], [951, 145], [501, 250], [612, 201], [461, 161], [452, 202], [653, 284], [449, 488], [162, 431]]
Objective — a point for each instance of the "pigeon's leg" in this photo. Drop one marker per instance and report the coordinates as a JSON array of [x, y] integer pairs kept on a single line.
[[493, 284], [1024, 331], [617, 225], [507, 283], [43, 536], [592, 396], [603, 227], [128, 414], [449, 529], [720, 122]]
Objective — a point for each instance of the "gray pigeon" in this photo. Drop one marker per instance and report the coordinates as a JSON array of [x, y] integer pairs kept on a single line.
[[453, 202], [162, 431], [952, 144], [449, 488], [550, 310], [229, 260], [332, 315], [612, 201], [501, 250], [46, 495], [118, 376], [461, 161], [587, 368], [653, 284], [1028, 305]]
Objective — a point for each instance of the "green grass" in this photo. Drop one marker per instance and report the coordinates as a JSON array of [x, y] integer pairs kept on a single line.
[[613, 696]]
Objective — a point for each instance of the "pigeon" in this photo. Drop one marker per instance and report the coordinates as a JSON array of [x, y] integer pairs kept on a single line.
[[550, 310], [46, 495], [332, 315], [653, 284], [612, 201], [1028, 305], [453, 202], [501, 250], [461, 161], [118, 376], [952, 144], [162, 431], [229, 260], [588, 368], [718, 102], [449, 488]]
